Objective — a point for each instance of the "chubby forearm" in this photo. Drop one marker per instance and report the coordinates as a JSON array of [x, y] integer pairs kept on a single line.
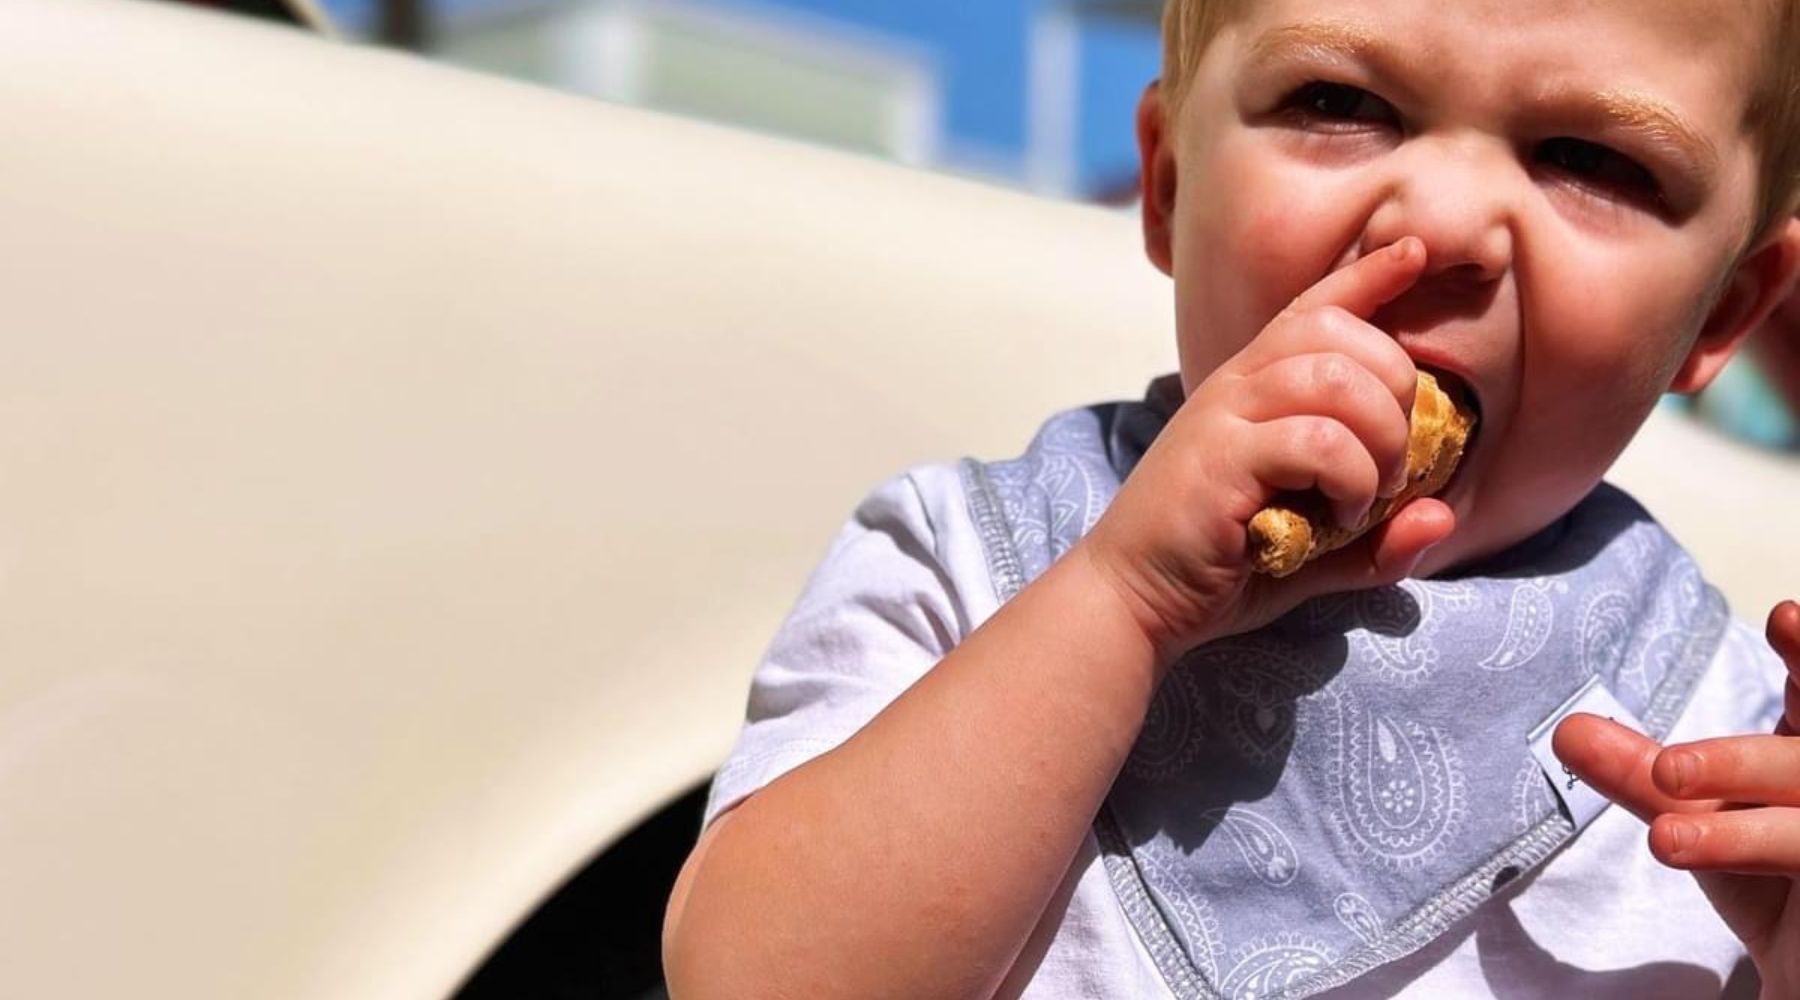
[[916, 859]]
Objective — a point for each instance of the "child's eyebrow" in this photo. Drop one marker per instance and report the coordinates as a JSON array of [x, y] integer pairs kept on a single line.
[[1323, 39], [1339, 38], [1658, 123]]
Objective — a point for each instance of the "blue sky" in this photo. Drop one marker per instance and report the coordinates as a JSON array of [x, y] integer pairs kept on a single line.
[[981, 44], [982, 49]]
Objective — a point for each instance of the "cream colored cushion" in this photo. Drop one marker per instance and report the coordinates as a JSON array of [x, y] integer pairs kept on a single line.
[[403, 470]]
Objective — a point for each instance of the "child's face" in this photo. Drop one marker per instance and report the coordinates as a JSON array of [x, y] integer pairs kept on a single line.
[[1577, 171]]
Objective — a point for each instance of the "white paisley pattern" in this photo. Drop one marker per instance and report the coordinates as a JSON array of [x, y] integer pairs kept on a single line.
[[1310, 797], [1399, 630], [1606, 626], [1401, 626], [1532, 799], [1530, 617], [1258, 689], [1399, 785], [1054, 496], [1660, 655], [1193, 914], [1174, 730], [1360, 916], [1270, 966], [1266, 851]]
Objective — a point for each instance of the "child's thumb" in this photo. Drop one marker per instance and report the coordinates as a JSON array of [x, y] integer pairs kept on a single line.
[[1383, 557]]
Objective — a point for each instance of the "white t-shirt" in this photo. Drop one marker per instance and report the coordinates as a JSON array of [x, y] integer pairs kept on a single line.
[[907, 579]]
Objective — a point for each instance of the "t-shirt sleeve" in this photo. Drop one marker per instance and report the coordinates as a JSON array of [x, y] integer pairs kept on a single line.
[[879, 612]]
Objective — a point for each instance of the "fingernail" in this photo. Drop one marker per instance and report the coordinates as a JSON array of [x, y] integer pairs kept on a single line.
[[1395, 483], [1681, 837], [1684, 769]]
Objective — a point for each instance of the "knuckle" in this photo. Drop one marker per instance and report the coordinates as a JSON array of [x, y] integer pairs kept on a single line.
[[1396, 435], [1401, 370], [1325, 438], [1396, 370], [1335, 374], [1335, 319], [1343, 460], [1296, 316]]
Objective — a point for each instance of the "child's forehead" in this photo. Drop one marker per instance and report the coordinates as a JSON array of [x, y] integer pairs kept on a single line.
[[1486, 25], [1703, 52]]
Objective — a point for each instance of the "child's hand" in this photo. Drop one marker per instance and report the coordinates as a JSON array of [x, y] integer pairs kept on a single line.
[[1319, 399], [1727, 810]]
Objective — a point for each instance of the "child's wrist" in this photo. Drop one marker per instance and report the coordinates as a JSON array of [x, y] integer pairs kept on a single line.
[[1136, 610]]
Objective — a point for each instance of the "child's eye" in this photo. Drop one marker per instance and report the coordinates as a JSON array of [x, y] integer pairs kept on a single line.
[[1594, 164], [1339, 102]]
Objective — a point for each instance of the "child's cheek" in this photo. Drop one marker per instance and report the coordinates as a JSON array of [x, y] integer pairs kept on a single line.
[[1628, 344], [1282, 258], [1256, 245], [1593, 366]]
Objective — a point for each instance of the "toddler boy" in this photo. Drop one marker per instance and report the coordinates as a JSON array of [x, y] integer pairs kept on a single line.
[[1036, 728]]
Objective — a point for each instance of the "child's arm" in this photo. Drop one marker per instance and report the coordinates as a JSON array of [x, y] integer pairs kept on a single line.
[[916, 858], [1727, 810]]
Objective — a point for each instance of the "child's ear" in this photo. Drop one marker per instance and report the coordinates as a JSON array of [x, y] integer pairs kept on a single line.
[[1762, 279], [1156, 155]]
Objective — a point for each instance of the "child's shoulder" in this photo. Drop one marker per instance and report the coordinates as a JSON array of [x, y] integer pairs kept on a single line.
[[917, 527], [923, 504]]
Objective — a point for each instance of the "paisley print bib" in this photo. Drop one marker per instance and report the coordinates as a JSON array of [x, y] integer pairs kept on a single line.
[[1330, 793]]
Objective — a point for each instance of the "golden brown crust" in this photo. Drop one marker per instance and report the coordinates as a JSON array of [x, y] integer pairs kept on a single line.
[[1286, 536]]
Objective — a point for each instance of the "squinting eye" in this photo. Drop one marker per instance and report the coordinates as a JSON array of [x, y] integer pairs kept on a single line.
[[1596, 164], [1340, 102]]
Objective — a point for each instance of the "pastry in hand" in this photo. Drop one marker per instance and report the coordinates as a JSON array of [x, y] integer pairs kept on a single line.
[[1300, 528]]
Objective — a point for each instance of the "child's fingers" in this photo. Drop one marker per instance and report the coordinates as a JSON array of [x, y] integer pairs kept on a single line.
[[1751, 769], [1370, 282], [1617, 763], [1335, 386], [1743, 841], [1332, 330], [1383, 557], [1784, 635], [1307, 452]]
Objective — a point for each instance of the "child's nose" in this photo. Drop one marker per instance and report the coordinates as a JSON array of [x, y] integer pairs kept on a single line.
[[1458, 199]]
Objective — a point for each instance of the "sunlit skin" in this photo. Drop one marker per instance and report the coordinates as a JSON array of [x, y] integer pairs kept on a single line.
[[1568, 196], [1461, 137], [1726, 809], [1550, 201]]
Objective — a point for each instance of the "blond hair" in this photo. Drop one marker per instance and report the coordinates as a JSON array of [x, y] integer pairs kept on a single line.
[[1189, 26]]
